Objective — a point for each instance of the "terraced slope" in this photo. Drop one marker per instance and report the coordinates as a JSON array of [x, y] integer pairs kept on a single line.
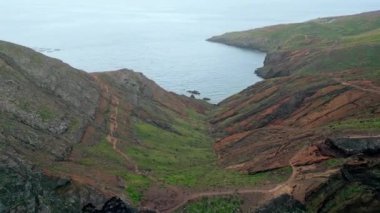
[[322, 80]]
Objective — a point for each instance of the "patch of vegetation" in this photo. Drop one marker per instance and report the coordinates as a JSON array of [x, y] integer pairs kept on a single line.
[[7, 124], [136, 184], [45, 113], [102, 155], [214, 205], [316, 199], [344, 58], [25, 105], [74, 124], [358, 124], [345, 196], [333, 162]]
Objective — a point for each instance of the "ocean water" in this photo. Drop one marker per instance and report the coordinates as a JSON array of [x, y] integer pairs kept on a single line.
[[164, 39]]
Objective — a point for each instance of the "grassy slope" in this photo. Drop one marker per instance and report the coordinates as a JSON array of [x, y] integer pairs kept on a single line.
[[318, 33], [332, 44], [187, 159], [214, 205]]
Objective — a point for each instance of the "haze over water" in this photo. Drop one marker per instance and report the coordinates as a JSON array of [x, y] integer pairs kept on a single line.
[[164, 39]]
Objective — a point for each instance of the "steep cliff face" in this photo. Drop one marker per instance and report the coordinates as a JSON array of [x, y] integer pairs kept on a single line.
[[44, 108], [321, 81]]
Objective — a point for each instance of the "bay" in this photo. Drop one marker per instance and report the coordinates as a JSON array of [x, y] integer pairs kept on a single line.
[[164, 39]]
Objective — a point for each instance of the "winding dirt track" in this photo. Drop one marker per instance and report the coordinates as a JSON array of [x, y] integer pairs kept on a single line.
[[113, 123], [369, 85], [285, 187]]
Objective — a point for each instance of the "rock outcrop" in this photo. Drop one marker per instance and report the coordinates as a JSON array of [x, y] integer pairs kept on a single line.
[[284, 203], [113, 205], [356, 146]]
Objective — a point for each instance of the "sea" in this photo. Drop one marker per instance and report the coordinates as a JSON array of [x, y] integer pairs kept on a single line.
[[164, 39]]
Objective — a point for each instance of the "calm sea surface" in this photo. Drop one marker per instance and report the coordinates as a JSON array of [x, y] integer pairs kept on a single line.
[[164, 39]]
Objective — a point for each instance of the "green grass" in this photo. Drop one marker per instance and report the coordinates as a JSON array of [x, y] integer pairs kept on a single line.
[[45, 113], [344, 196], [25, 105], [318, 198], [214, 205], [361, 56], [332, 163], [371, 37], [312, 34], [358, 124], [102, 155], [136, 184], [74, 125], [187, 159]]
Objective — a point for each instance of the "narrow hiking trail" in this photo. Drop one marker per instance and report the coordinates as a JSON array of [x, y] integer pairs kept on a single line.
[[366, 86], [113, 101], [282, 188], [114, 110]]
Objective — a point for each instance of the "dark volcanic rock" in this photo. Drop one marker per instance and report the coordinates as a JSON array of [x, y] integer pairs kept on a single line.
[[356, 189], [284, 203], [113, 205], [25, 188], [354, 146]]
